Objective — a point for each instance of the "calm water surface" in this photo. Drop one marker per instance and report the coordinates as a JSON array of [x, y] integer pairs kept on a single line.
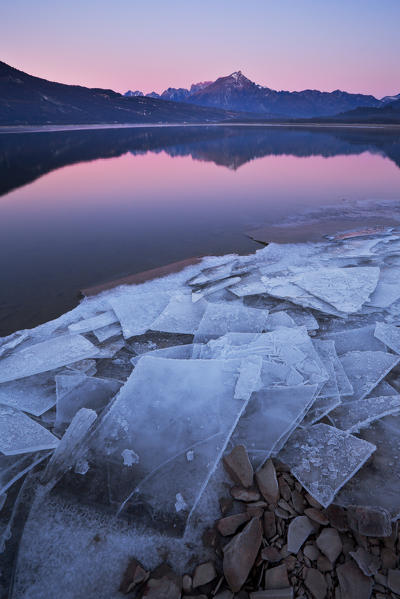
[[80, 208]]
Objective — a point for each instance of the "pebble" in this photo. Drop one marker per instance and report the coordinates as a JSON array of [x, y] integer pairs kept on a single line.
[[353, 583], [313, 502], [203, 574], [238, 466], [323, 564], [281, 513], [271, 554], [133, 575], [229, 525], [299, 530], [316, 516], [330, 544], [298, 501], [273, 594], [269, 524], [315, 583], [246, 495], [268, 483], [276, 578], [284, 488], [370, 521], [389, 558], [367, 563], [240, 554], [311, 552], [394, 581], [337, 517]]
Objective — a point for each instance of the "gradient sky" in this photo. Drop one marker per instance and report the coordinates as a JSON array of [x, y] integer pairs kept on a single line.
[[352, 45]]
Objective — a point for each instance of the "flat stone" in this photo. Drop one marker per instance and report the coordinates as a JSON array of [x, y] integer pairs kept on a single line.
[[369, 521], [315, 583], [267, 482], [276, 578], [367, 563], [246, 495], [269, 523], [299, 530], [203, 574], [134, 574], [330, 544], [238, 466], [323, 564], [281, 513], [229, 525], [316, 516], [273, 594], [224, 595], [313, 502], [164, 587], [271, 554], [187, 583], [240, 554], [337, 517], [298, 501], [311, 551], [225, 505], [353, 583], [394, 581], [389, 558], [284, 488]]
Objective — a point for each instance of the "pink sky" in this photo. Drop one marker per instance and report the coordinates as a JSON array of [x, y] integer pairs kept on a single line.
[[291, 44]]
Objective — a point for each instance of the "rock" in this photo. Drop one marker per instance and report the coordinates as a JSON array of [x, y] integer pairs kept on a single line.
[[381, 579], [269, 524], [290, 562], [240, 554], [313, 502], [255, 512], [316, 516], [225, 505], [203, 574], [370, 521], [245, 494], [298, 501], [164, 587], [271, 554], [311, 552], [367, 563], [394, 581], [299, 530], [196, 597], [323, 564], [330, 544], [230, 524], [134, 574], [276, 578], [273, 594], [389, 558], [337, 517], [238, 466], [284, 488], [268, 483], [281, 513], [315, 583], [353, 583], [224, 595], [187, 583]]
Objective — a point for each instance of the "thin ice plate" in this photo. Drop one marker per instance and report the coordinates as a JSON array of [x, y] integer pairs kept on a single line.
[[21, 434], [366, 369], [355, 415]]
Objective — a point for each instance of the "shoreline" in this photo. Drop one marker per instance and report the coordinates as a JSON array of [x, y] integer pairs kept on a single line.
[[7, 129]]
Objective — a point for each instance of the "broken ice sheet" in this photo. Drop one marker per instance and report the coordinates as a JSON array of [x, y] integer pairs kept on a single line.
[[366, 369], [111, 330], [389, 335], [355, 415], [81, 391], [358, 339], [21, 434], [167, 408], [347, 289], [250, 284], [324, 458], [96, 322], [175, 351], [231, 317], [136, 310], [271, 415], [388, 289], [13, 467], [327, 353], [213, 287], [279, 319], [320, 408], [47, 355], [181, 315], [378, 483], [34, 394]]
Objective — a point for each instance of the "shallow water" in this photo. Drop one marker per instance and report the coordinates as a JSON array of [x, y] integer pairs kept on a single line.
[[78, 208]]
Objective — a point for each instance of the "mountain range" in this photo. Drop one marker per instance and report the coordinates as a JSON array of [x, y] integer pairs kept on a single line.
[[238, 93]]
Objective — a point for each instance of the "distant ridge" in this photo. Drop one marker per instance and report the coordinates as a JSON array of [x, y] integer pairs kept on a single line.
[[237, 92]]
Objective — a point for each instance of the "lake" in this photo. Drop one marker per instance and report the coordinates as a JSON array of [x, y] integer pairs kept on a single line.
[[79, 208]]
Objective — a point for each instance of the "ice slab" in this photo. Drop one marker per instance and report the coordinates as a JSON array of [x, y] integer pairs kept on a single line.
[[279, 319], [234, 317], [324, 458], [86, 366], [181, 315], [12, 342], [71, 447], [358, 339], [208, 289], [13, 467], [47, 355], [347, 289], [270, 416], [21, 434], [389, 335], [81, 391], [378, 483], [355, 415], [34, 394], [111, 330], [320, 408], [366, 369], [383, 388], [96, 322], [136, 311], [250, 284], [185, 405], [327, 353], [388, 289], [184, 352]]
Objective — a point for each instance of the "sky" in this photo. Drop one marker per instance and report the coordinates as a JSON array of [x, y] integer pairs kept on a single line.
[[353, 45]]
